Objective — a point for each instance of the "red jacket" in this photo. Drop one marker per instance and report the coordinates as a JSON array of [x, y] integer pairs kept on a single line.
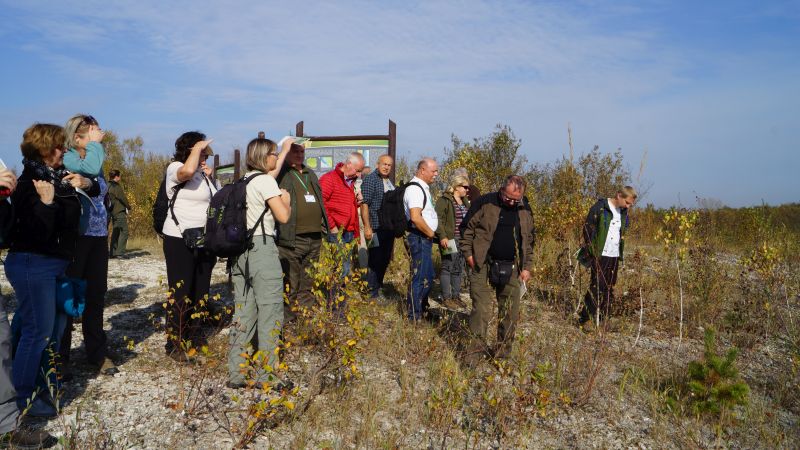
[[339, 200]]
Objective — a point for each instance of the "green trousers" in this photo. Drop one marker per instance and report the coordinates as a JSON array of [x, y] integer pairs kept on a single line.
[[480, 290], [119, 235], [257, 321]]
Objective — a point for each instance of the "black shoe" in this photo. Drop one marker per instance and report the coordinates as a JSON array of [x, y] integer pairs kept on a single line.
[[232, 385], [26, 437], [65, 374]]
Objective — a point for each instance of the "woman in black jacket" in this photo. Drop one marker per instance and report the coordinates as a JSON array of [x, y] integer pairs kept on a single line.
[[46, 226]]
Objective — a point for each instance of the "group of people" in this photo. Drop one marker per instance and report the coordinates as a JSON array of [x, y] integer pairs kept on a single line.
[[56, 228], [59, 220]]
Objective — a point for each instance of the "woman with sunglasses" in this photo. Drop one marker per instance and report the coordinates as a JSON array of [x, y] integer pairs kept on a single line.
[[451, 208], [43, 242], [85, 155], [257, 275], [189, 189]]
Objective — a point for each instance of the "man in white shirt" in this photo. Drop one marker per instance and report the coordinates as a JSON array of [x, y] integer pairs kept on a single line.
[[423, 220], [603, 233]]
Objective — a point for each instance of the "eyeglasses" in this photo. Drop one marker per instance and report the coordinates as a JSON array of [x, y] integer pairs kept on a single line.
[[465, 186], [510, 201]]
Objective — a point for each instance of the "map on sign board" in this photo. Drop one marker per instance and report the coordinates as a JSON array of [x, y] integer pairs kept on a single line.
[[322, 156]]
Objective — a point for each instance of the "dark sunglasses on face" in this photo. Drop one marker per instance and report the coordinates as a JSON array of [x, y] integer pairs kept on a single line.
[[87, 120]]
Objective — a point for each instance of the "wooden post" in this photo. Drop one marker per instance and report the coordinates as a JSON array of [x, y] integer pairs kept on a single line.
[[298, 129], [261, 135], [393, 148], [216, 164], [236, 164]]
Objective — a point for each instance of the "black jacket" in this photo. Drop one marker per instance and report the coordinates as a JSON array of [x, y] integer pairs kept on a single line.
[[49, 230]]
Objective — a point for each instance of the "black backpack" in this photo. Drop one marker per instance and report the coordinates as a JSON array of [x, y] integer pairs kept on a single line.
[[393, 213], [161, 205], [226, 225]]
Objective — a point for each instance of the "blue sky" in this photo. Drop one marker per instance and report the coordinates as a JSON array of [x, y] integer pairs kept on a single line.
[[709, 90]]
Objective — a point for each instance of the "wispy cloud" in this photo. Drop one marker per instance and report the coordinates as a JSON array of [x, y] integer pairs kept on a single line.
[[610, 68]]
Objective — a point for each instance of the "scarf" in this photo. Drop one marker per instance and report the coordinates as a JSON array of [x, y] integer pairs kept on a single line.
[[43, 172]]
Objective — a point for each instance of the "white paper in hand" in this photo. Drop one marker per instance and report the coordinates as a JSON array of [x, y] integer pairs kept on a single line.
[[451, 247]]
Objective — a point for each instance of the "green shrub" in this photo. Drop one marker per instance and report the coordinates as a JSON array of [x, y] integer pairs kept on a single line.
[[714, 385]]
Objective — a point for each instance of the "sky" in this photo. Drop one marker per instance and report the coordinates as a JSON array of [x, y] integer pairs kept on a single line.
[[705, 96]]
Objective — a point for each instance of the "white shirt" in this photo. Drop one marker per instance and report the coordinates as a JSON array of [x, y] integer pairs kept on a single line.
[[611, 247], [191, 206], [413, 198], [259, 190]]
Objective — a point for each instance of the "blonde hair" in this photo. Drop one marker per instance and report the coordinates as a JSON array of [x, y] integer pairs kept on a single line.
[[77, 126], [456, 181], [40, 139], [258, 150], [628, 191]]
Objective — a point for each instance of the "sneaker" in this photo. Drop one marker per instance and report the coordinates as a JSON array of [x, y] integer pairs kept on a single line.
[[235, 385], [27, 437]]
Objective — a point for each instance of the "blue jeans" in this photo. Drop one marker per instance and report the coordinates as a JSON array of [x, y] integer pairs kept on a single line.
[[347, 237], [452, 274], [37, 321], [422, 275]]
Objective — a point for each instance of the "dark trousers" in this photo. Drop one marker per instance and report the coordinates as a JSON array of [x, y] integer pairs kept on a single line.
[[294, 262], [189, 278], [90, 264], [119, 235], [378, 262], [601, 290]]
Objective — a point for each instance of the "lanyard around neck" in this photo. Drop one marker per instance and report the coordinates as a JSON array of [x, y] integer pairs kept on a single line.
[[301, 181]]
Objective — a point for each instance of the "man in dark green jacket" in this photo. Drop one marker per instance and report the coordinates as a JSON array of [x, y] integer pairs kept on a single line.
[[300, 239], [119, 214], [604, 237]]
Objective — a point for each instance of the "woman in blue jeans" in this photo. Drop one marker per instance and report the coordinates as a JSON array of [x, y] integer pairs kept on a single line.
[[47, 217]]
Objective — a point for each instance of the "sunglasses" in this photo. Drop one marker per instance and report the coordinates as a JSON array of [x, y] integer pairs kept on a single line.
[[87, 120]]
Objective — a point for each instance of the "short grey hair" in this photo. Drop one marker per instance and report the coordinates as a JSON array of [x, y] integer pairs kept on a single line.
[[354, 158]]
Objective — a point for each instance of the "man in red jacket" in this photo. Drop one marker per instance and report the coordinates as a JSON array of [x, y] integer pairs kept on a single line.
[[341, 203]]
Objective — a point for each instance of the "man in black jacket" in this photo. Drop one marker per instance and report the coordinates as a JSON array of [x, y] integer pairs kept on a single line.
[[119, 214]]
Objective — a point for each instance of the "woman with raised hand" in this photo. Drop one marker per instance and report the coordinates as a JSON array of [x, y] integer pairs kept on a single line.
[[257, 275], [189, 265], [85, 155], [46, 228], [451, 208]]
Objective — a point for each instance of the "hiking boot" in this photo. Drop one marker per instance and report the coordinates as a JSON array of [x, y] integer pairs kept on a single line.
[[107, 367], [29, 438]]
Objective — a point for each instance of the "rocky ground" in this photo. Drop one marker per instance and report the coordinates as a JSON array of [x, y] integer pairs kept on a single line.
[[155, 402]]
